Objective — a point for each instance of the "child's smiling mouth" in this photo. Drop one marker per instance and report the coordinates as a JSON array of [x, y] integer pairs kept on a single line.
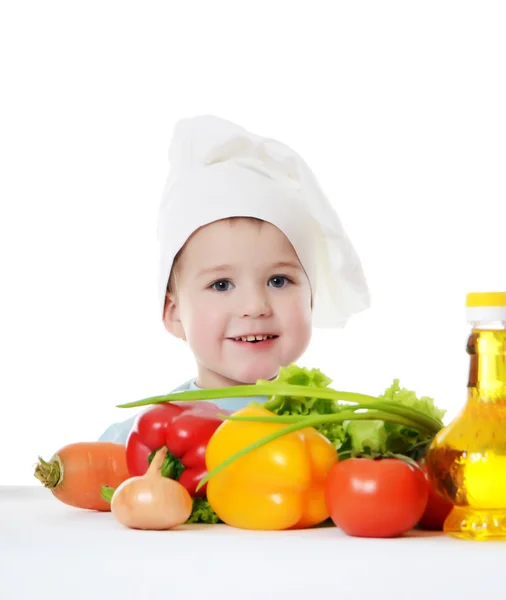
[[255, 340]]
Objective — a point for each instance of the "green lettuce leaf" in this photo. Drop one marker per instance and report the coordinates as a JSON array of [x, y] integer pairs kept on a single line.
[[352, 438], [366, 437], [403, 440], [293, 405], [407, 397], [203, 513], [376, 438]]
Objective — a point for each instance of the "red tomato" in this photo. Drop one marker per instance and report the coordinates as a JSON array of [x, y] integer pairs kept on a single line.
[[375, 498], [437, 508]]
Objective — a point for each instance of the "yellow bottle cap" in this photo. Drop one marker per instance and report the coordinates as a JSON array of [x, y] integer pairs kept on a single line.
[[486, 299], [486, 306]]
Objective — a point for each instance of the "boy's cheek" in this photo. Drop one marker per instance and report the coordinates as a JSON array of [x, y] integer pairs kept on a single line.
[[203, 329], [297, 315]]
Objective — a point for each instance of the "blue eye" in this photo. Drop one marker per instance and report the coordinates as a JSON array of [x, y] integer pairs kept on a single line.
[[217, 283], [278, 282], [280, 278]]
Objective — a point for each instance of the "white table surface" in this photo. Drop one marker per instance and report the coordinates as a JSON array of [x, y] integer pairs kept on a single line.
[[50, 550]]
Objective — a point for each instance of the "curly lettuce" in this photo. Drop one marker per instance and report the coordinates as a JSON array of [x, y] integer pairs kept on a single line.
[[355, 437], [202, 512]]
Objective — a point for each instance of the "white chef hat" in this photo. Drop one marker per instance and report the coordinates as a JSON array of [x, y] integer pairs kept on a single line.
[[220, 170]]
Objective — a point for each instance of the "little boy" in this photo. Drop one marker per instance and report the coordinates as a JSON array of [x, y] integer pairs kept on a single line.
[[252, 257]]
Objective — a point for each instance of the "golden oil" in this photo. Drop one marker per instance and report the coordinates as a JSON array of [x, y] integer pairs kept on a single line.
[[467, 459]]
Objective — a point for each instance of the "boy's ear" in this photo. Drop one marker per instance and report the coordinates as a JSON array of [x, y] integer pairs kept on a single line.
[[171, 318]]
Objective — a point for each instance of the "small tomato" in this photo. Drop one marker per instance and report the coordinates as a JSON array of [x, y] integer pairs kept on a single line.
[[375, 498]]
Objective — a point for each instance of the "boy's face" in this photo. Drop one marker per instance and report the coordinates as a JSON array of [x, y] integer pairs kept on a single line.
[[249, 296]]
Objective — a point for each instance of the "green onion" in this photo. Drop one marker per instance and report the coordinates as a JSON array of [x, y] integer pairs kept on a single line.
[[361, 401], [346, 404]]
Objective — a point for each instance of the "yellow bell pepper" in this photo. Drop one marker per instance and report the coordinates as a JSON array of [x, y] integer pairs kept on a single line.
[[277, 486]]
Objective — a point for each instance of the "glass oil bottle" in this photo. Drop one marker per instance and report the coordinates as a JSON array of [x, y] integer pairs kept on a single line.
[[467, 459]]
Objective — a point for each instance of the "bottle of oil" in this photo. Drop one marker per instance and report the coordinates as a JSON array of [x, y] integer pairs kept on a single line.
[[467, 459]]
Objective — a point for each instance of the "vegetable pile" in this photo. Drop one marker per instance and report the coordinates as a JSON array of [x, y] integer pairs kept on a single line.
[[309, 455], [368, 436]]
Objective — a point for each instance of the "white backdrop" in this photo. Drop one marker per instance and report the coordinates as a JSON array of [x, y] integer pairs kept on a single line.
[[398, 107]]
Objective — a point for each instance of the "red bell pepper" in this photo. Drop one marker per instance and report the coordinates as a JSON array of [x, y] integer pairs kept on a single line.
[[185, 428]]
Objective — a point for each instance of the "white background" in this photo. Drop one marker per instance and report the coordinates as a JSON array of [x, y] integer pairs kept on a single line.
[[398, 107]]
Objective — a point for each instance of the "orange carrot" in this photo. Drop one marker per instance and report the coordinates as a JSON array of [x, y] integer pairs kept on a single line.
[[76, 473]]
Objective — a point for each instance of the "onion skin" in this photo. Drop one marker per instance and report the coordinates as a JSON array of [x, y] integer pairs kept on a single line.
[[151, 501]]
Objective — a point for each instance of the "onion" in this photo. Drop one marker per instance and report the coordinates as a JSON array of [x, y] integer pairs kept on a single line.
[[151, 501]]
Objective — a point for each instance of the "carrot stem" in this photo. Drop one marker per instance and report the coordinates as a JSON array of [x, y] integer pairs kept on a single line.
[[49, 473]]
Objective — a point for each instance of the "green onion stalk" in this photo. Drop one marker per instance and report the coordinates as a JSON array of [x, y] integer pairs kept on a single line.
[[346, 407]]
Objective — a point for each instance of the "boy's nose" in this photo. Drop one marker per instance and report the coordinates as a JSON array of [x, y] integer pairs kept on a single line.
[[256, 304]]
